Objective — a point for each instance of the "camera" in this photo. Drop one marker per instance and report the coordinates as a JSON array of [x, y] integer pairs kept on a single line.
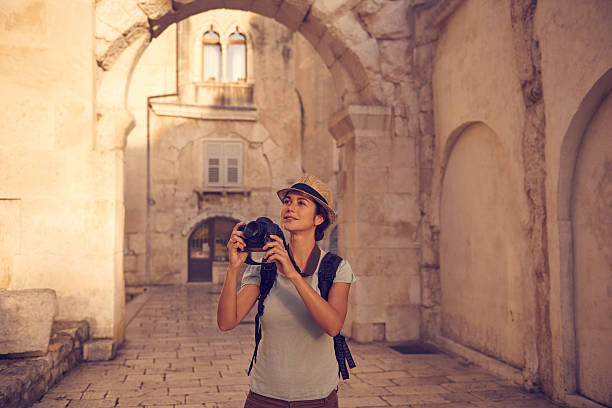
[[257, 234]]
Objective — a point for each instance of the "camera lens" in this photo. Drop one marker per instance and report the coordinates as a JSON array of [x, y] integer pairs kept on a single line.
[[253, 231]]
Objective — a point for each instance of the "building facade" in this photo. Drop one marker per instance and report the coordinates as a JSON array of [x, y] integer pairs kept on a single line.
[[236, 120]]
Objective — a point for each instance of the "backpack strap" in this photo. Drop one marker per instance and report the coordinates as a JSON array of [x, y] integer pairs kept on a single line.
[[327, 274], [268, 277]]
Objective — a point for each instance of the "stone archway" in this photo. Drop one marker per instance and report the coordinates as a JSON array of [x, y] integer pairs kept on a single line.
[[124, 31], [368, 77]]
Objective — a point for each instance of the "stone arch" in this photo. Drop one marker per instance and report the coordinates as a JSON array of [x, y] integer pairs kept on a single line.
[[203, 216], [482, 248], [122, 34], [573, 138], [570, 184], [440, 171]]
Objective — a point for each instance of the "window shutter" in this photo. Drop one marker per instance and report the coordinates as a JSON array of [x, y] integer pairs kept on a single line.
[[214, 158], [233, 163]]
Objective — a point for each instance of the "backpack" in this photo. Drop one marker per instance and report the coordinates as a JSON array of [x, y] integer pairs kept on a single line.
[[327, 274]]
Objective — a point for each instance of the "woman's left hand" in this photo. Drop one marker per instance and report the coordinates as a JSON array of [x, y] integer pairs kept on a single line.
[[276, 252]]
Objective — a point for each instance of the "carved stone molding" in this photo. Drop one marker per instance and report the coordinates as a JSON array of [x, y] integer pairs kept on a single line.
[[356, 118]]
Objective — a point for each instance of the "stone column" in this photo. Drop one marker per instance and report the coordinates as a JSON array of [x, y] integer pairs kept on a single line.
[[378, 218]]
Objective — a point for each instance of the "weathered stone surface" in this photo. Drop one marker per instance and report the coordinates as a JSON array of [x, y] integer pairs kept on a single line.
[[396, 59], [26, 318], [402, 323], [117, 25], [292, 12], [363, 332], [267, 8], [385, 20], [99, 350], [23, 381], [155, 9]]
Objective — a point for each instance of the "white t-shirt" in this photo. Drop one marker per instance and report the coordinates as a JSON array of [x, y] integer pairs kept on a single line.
[[296, 359]]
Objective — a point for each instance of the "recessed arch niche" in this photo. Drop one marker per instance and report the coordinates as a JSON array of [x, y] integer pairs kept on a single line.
[[482, 248], [591, 221]]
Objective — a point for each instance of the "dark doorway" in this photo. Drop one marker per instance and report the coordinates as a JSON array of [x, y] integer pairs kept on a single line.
[[207, 244]]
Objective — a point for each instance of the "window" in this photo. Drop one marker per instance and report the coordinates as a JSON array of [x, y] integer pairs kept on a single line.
[[211, 57], [236, 57], [215, 49], [223, 164]]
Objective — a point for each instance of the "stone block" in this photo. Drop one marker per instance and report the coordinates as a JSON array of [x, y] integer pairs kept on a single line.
[[404, 180], [26, 319], [136, 243], [426, 123], [399, 235], [351, 29], [155, 9], [363, 332], [400, 207], [130, 263], [424, 62], [372, 151], [403, 323], [386, 21], [267, 8], [99, 350], [395, 61], [164, 222], [370, 290], [291, 13], [313, 26], [383, 262], [403, 289], [372, 179]]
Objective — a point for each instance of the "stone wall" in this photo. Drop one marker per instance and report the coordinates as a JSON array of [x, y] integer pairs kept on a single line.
[[483, 214], [23, 381], [548, 86], [60, 195]]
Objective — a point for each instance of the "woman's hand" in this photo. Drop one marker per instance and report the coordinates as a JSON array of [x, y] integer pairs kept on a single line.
[[236, 248], [276, 252]]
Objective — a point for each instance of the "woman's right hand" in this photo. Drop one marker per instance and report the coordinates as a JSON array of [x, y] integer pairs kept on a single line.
[[236, 247]]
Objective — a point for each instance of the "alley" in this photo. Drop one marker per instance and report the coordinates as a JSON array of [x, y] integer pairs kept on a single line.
[[174, 356]]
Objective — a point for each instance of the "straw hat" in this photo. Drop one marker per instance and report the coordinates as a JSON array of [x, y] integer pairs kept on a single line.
[[315, 189]]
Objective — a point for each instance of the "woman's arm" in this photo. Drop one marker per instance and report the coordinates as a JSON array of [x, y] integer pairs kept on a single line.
[[232, 306]]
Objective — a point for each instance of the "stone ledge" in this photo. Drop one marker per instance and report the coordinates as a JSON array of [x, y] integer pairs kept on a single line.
[[24, 380]]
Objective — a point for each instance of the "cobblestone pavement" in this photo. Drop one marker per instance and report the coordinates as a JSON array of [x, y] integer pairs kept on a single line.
[[174, 356]]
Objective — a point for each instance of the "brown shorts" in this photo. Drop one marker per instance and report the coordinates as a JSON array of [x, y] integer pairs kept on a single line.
[[259, 401]]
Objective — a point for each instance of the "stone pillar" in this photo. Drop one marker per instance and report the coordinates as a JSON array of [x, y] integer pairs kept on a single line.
[[378, 218]]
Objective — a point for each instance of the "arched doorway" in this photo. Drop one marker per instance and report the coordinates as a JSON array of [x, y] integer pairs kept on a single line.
[[206, 248]]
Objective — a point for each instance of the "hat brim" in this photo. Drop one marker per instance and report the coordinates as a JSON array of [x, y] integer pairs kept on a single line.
[[331, 214]]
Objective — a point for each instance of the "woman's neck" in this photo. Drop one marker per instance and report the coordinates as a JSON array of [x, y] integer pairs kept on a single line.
[[301, 245]]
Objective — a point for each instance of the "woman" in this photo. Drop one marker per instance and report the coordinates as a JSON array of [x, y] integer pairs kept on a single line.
[[296, 360]]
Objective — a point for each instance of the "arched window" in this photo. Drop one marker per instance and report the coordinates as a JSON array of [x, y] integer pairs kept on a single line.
[[211, 57], [236, 57]]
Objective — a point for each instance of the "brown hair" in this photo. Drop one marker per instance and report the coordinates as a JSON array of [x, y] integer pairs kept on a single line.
[[320, 229]]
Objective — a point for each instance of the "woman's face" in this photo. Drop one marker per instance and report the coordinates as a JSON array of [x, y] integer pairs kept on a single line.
[[299, 213]]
